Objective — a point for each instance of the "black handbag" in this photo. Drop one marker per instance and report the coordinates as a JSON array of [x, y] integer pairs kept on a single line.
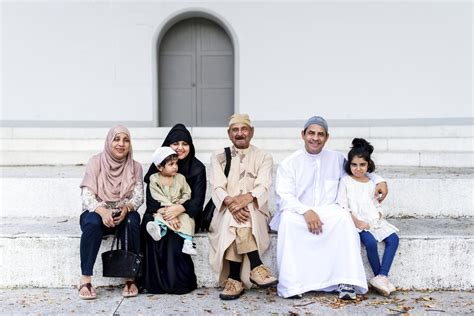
[[208, 211], [121, 263]]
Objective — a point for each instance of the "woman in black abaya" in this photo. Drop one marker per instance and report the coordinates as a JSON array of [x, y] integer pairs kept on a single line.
[[166, 268]]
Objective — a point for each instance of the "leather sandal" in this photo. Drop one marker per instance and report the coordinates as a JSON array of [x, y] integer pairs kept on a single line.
[[89, 287], [127, 287]]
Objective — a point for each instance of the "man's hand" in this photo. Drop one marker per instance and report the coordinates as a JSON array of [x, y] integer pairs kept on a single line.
[[238, 202], [228, 201], [241, 216], [313, 221], [381, 191]]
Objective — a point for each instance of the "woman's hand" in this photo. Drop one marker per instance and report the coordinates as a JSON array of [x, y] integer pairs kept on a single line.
[[106, 215], [172, 212], [122, 215], [175, 223], [161, 210]]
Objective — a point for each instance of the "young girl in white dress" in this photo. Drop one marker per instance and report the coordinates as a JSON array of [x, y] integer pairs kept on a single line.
[[357, 195]]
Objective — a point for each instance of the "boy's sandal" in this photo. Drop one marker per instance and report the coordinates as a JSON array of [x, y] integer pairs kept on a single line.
[[89, 287], [127, 288]]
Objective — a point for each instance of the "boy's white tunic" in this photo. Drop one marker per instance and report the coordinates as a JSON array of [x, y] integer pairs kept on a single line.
[[306, 261]]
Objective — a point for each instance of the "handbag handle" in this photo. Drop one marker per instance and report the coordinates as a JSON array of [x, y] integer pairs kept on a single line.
[[127, 227]]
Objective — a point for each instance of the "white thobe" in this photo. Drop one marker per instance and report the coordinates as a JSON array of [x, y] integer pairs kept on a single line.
[[306, 261]]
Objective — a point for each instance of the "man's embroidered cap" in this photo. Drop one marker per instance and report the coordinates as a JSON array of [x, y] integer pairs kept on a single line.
[[240, 118]]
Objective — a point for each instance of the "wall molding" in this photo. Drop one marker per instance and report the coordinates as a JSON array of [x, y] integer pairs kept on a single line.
[[263, 123]]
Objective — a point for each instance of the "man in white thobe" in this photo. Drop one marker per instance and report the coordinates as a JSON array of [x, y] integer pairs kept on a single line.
[[318, 244]]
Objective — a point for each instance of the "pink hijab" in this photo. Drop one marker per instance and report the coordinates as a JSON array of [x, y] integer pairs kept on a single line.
[[109, 178]]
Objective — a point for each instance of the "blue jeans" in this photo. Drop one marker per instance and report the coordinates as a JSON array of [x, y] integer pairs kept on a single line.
[[93, 230], [370, 243]]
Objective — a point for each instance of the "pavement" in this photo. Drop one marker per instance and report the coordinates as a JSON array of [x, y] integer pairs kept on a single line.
[[205, 301]]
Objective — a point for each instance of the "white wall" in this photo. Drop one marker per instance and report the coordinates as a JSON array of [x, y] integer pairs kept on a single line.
[[94, 61]]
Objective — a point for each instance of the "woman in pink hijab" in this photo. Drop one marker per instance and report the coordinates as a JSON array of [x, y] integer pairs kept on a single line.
[[112, 192]]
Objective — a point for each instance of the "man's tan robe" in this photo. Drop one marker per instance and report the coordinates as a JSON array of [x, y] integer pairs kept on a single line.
[[251, 171]]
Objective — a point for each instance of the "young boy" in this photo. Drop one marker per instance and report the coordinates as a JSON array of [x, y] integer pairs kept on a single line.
[[170, 188]]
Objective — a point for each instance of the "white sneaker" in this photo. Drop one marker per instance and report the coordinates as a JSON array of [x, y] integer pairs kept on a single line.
[[390, 286], [154, 230], [380, 285], [188, 248]]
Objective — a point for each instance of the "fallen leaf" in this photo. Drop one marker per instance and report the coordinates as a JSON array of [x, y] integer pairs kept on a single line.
[[424, 299]]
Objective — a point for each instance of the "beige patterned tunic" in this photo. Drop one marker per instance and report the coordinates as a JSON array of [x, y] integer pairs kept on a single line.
[[250, 171], [177, 193]]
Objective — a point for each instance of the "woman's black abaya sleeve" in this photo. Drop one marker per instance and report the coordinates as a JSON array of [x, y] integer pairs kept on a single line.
[[198, 185]]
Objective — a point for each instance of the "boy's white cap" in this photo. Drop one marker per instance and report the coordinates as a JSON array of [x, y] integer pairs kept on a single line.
[[161, 153]]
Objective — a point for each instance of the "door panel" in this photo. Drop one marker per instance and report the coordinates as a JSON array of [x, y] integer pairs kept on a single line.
[[180, 112], [211, 106], [217, 71], [214, 38], [178, 69], [196, 75]]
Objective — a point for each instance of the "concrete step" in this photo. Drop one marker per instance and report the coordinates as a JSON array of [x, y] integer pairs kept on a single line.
[[464, 144], [438, 146], [389, 158], [433, 254], [414, 192]]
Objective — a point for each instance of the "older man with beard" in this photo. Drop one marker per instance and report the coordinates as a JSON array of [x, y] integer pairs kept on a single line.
[[238, 233]]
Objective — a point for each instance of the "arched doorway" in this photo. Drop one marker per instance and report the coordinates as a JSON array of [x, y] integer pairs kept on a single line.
[[195, 74]]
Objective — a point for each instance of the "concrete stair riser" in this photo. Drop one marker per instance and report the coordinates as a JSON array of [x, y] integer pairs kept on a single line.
[[393, 158], [54, 191], [421, 262], [268, 144], [442, 146], [434, 131]]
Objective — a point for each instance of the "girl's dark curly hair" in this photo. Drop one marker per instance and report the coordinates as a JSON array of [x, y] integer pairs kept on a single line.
[[362, 149]]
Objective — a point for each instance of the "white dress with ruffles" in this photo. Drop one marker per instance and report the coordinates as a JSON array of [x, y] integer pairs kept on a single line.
[[358, 197]]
